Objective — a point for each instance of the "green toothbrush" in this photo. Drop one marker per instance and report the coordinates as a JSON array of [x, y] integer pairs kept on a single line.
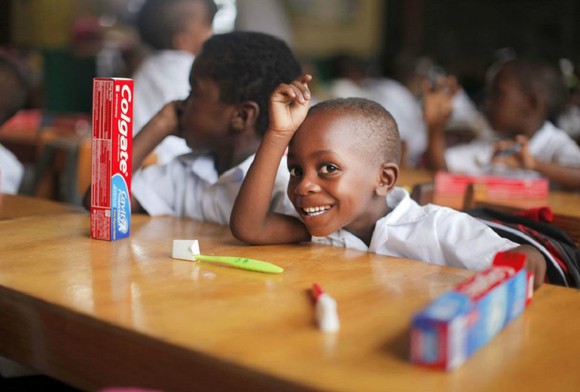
[[189, 250]]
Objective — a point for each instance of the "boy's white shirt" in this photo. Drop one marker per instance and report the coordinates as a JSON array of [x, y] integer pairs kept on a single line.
[[190, 186], [434, 234], [163, 77], [11, 171]]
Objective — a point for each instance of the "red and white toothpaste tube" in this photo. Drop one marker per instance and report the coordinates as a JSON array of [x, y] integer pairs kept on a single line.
[[325, 310], [450, 329], [111, 158]]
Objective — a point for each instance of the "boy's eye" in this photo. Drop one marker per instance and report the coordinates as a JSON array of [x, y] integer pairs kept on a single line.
[[295, 171], [328, 168]]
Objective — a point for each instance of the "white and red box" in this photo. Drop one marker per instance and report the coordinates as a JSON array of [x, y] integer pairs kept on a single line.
[[495, 186], [449, 330], [111, 144]]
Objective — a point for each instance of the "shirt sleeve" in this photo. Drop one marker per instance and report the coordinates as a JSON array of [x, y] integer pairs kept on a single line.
[[154, 188], [468, 243]]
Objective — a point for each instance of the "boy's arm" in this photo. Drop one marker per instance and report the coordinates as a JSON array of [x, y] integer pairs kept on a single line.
[[437, 109], [568, 177], [163, 124], [536, 263], [251, 220]]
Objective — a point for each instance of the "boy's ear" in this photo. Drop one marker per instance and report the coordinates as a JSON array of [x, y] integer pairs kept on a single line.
[[245, 116], [388, 175], [537, 101]]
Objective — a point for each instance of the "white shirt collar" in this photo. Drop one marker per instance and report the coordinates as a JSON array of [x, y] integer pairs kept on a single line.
[[403, 211]]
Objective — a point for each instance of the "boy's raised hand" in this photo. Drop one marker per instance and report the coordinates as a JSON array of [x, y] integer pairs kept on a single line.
[[438, 102], [289, 104]]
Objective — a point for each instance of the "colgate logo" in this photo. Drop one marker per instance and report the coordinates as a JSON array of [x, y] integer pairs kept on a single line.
[[123, 125]]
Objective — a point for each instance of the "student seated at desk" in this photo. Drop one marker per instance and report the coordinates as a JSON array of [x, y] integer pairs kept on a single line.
[[222, 121], [524, 96], [343, 157], [13, 95], [175, 31]]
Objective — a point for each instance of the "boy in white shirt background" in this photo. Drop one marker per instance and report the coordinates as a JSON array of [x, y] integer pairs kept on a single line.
[[174, 30], [222, 121], [524, 97]]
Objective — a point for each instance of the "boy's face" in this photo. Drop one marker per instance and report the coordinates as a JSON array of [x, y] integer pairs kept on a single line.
[[332, 180], [507, 105], [204, 121]]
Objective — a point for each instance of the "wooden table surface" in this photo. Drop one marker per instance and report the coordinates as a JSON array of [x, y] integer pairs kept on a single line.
[[95, 314], [17, 206]]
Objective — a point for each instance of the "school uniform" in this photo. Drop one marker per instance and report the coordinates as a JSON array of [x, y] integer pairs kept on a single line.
[[434, 234], [548, 144], [11, 171], [190, 186], [163, 77]]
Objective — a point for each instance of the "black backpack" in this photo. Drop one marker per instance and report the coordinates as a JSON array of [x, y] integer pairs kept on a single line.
[[561, 254]]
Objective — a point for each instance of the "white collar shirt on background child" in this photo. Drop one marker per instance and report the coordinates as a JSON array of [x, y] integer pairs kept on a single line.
[[190, 186]]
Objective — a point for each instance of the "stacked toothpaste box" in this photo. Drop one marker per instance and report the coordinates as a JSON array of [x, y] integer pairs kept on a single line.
[[450, 329]]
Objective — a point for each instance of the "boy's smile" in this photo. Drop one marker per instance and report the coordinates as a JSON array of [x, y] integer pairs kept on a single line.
[[334, 182]]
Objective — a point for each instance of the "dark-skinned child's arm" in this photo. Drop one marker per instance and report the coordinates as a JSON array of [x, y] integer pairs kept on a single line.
[[163, 124], [536, 263], [251, 220], [437, 109], [566, 176]]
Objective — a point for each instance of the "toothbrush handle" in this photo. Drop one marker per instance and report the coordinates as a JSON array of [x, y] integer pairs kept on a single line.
[[242, 262]]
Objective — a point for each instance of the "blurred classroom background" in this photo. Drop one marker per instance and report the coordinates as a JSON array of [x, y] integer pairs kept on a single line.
[[63, 44]]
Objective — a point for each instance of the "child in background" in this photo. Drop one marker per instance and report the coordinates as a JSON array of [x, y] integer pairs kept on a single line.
[[523, 98], [222, 121], [175, 31], [13, 95], [343, 157]]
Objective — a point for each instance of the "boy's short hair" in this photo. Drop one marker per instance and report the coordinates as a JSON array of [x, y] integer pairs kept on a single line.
[[247, 66], [539, 77], [159, 20], [13, 89], [377, 132]]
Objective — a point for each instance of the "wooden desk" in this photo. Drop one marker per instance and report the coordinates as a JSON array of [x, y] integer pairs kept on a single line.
[[96, 314], [18, 206]]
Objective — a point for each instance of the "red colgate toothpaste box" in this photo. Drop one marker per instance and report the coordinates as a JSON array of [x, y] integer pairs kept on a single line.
[[111, 143], [455, 325]]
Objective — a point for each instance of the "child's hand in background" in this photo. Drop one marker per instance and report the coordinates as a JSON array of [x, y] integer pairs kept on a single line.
[[438, 101], [169, 117], [289, 104], [514, 153]]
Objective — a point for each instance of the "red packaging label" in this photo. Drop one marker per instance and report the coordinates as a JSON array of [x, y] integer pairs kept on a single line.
[[111, 158]]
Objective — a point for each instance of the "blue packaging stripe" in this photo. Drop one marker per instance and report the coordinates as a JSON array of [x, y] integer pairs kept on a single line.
[[120, 208]]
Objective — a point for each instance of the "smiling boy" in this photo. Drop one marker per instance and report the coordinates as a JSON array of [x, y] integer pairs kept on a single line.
[[343, 159]]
